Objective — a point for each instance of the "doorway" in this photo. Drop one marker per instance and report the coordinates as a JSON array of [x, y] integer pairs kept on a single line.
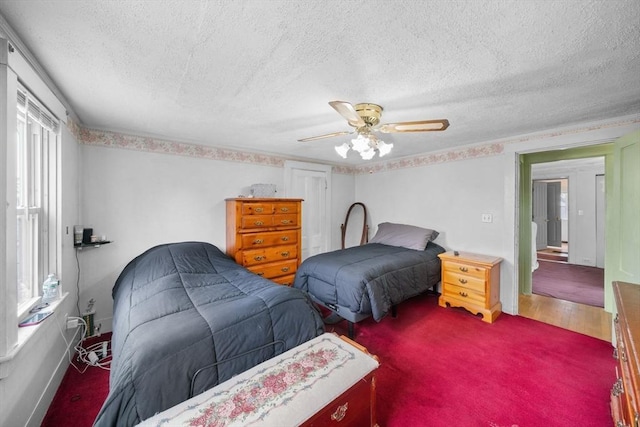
[[550, 213], [547, 168], [312, 183]]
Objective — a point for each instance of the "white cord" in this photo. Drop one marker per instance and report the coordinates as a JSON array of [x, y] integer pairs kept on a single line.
[[92, 355]]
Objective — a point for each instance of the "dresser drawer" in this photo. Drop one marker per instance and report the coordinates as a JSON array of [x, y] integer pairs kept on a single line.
[[465, 281], [470, 270], [257, 208], [285, 280], [285, 208], [464, 294], [272, 254], [263, 239], [285, 220], [256, 221], [275, 269]]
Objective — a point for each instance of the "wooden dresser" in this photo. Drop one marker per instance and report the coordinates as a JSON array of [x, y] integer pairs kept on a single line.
[[264, 235], [625, 393], [471, 281]]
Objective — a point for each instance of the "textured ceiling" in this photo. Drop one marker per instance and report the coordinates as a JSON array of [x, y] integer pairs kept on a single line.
[[257, 75]]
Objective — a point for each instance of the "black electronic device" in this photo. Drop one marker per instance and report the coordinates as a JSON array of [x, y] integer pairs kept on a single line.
[[456, 253]]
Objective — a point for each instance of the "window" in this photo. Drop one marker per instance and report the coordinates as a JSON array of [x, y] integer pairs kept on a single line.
[[37, 204]]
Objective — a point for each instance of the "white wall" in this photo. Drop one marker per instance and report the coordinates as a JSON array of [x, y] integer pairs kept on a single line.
[[142, 199], [448, 197], [452, 195]]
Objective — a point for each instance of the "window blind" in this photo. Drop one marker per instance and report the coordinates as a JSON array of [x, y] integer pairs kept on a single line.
[[37, 111]]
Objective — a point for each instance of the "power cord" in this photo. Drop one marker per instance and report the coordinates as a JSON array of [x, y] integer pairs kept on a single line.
[[98, 354]]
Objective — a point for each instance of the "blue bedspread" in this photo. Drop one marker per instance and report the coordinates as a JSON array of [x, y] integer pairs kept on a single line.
[[187, 317], [370, 279]]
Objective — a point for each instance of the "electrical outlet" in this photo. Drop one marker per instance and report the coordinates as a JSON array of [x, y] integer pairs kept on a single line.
[[71, 323], [487, 218]]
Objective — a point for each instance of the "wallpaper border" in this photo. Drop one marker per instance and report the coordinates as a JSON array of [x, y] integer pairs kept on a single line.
[[102, 138]]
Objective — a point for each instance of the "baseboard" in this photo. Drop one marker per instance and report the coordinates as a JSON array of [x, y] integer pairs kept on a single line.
[[41, 408]]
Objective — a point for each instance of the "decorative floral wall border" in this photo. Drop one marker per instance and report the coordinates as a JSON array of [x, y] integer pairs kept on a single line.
[[130, 142]]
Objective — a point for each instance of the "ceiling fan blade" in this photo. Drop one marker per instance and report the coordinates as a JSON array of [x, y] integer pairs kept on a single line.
[[347, 111], [419, 126], [329, 135]]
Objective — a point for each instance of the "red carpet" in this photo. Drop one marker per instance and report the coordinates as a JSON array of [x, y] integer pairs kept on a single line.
[[445, 367], [570, 282]]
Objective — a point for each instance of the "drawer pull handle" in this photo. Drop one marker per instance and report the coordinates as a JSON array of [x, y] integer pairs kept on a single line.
[[260, 273], [463, 294], [259, 223], [259, 210], [284, 254], [258, 242], [623, 355], [258, 258], [463, 281], [286, 221], [284, 209], [340, 413], [284, 269], [464, 269], [617, 388], [285, 238]]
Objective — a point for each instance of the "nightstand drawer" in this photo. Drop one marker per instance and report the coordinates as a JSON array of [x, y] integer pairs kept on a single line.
[[467, 269], [463, 293], [465, 281], [272, 254]]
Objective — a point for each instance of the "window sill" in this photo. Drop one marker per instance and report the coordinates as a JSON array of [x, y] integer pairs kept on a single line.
[[26, 333]]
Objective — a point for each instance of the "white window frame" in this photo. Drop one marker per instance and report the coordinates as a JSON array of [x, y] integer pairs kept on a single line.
[[38, 206], [15, 68]]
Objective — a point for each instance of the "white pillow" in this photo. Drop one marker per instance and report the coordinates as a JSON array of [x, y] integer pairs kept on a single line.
[[407, 236]]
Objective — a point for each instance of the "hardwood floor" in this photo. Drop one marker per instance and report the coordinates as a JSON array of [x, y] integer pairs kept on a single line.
[[585, 319]]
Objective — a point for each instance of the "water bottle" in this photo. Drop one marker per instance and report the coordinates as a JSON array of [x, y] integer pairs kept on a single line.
[[50, 288]]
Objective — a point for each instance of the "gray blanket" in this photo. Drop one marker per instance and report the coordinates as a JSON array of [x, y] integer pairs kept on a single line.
[[370, 279], [187, 317]]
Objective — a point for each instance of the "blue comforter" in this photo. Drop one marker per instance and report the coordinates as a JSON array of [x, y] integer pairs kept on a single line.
[[187, 317], [369, 279]]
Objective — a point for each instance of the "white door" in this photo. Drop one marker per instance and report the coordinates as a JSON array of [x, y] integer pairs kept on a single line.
[[311, 182]]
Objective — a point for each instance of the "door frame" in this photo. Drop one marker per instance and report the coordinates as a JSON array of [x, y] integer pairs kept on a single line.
[[523, 226], [289, 167]]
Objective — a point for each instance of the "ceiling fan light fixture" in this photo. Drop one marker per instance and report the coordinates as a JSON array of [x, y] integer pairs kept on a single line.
[[361, 143], [342, 150], [384, 148], [368, 154]]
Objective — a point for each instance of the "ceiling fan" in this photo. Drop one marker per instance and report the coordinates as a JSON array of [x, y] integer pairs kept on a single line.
[[365, 118]]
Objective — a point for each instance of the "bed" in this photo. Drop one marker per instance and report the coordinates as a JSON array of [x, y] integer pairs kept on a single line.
[[187, 317], [400, 262]]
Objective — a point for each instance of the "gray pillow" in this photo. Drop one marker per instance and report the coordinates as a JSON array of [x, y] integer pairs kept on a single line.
[[407, 236]]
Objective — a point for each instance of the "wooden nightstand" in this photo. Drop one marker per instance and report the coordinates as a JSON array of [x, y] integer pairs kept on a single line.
[[471, 281]]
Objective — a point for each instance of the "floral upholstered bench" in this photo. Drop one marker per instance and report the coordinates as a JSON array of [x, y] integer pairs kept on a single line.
[[329, 380]]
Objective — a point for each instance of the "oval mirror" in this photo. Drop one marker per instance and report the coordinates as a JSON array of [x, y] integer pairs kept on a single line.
[[355, 230]]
